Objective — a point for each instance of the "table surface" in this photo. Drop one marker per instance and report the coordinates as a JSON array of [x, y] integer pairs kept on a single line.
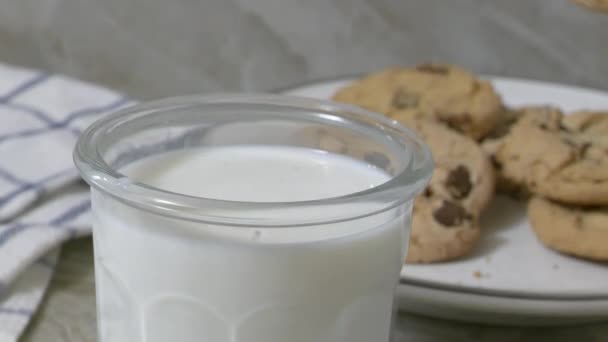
[[68, 314]]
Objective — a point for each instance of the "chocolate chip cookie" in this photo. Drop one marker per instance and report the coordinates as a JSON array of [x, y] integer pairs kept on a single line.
[[574, 230], [492, 142], [444, 92], [561, 157], [446, 216]]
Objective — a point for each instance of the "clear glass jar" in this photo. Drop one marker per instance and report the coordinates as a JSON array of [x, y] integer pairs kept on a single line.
[[174, 267]]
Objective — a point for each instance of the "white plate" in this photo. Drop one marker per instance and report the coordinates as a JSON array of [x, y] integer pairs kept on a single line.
[[521, 281]]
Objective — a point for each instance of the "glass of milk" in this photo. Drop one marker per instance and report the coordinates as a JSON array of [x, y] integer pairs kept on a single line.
[[249, 218]]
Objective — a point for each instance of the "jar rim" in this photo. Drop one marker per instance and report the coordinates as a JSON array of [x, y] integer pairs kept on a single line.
[[399, 189]]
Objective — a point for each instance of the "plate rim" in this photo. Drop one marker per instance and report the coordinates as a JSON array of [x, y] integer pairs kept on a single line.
[[490, 77], [492, 309], [452, 288]]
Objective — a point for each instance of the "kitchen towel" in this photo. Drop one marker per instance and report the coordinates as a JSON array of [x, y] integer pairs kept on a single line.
[[41, 116]]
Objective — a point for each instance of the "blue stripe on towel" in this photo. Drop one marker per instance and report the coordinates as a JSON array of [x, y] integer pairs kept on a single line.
[[24, 87], [72, 213], [9, 177], [16, 311], [37, 113], [12, 230], [52, 125], [39, 186], [115, 104]]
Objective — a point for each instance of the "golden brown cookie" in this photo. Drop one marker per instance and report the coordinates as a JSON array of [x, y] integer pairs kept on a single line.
[[578, 231], [564, 158], [594, 5], [444, 92], [492, 142], [445, 222]]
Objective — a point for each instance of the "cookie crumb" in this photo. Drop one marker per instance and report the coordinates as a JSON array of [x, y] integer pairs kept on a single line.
[[477, 274]]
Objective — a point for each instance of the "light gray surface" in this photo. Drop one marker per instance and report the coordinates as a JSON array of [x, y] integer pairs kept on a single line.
[[152, 48]]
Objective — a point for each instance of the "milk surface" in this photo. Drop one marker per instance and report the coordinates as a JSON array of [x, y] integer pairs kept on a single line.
[[161, 279]]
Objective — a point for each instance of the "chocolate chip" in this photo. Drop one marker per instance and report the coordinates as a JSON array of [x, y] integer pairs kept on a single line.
[[428, 192], [450, 214], [497, 165], [378, 159], [403, 99], [543, 126], [453, 125], [458, 182], [433, 69], [498, 132], [584, 148], [563, 128], [517, 193], [458, 121]]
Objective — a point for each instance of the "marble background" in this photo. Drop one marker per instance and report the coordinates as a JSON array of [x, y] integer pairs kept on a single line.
[[154, 48]]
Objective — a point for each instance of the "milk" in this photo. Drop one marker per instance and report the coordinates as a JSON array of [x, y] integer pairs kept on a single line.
[[161, 279]]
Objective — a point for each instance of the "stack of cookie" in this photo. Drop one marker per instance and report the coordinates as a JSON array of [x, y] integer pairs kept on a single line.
[[561, 161]]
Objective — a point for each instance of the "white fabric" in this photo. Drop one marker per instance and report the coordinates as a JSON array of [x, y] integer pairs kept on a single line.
[[41, 117]]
